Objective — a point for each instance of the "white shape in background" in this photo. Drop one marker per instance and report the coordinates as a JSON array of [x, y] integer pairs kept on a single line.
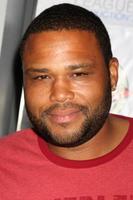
[[120, 95]]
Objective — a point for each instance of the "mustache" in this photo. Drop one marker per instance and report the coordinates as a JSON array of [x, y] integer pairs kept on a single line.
[[63, 107]]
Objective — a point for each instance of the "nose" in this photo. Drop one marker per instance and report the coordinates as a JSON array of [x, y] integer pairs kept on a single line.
[[61, 91]]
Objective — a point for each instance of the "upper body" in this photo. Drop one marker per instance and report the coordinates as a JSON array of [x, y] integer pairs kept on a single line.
[[30, 170], [69, 75]]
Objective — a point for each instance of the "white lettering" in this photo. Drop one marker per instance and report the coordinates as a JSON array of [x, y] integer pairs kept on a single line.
[[120, 5], [130, 7], [108, 5], [98, 4], [88, 3]]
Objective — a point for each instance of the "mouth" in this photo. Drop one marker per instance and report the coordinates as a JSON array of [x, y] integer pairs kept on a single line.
[[64, 116]]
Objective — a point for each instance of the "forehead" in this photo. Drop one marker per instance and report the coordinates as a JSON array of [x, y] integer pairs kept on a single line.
[[51, 38], [61, 45]]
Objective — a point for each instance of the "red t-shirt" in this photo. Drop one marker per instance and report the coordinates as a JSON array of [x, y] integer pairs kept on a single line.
[[30, 171]]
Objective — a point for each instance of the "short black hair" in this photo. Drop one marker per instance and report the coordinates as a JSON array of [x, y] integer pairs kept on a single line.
[[67, 16]]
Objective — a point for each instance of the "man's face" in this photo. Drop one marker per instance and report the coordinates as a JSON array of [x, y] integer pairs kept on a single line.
[[67, 86]]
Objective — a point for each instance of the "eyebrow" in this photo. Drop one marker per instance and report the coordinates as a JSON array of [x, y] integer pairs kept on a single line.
[[81, 65], [39, 70], [71, 67]]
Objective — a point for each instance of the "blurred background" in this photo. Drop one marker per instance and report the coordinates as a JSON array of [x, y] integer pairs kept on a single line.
[[15, 16]]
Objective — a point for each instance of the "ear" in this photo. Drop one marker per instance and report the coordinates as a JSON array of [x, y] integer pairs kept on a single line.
[[113, 68]]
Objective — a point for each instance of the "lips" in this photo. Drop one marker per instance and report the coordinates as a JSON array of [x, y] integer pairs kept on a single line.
[[64, 116]]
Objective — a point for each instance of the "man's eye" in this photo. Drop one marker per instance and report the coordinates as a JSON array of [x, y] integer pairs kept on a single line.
[[41, 77], [80, 74]]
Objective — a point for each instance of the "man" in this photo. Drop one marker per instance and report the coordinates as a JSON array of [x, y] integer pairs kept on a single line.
[[76, 150]]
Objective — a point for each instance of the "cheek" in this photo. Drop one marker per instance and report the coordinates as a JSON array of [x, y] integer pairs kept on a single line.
[[36, 97], [90, 93]]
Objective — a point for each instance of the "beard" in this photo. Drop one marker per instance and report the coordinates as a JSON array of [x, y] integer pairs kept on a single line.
[[94, 119]]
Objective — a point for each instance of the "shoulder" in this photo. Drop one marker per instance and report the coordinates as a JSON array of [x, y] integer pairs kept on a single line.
[[17, 141], [19, 135]]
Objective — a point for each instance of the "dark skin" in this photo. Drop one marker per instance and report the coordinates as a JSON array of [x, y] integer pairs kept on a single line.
[[68, 67]]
